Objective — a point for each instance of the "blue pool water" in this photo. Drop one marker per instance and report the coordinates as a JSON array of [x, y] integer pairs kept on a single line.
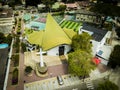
[[4, 45], [41, 26]]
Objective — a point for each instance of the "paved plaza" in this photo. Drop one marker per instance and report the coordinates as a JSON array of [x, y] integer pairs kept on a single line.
[[52, 83], [56, 66]]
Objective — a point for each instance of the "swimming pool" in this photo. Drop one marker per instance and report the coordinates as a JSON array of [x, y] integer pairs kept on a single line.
[[4, 45], [41, 26]]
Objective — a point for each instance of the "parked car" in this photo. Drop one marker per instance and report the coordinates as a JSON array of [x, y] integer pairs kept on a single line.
[[60, 80]]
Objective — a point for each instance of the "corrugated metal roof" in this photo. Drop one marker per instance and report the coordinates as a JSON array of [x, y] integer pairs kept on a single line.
[[98, 34]]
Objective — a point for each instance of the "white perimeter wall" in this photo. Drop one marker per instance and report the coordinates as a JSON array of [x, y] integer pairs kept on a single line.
[[55, 51]]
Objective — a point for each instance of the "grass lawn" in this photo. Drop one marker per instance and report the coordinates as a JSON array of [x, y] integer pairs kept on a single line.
[[63, 24], [70, 25]]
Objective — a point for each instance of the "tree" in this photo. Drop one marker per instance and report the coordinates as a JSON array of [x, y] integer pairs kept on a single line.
[[118, 31], [28, 69], [62, 7], [23, 45], [114, 59], [82, 42], [2, 37], [48, 3], [9, 39], [12, 3], [79, 63], [114, 2], [32, 2], [106, 9], [107, 85]]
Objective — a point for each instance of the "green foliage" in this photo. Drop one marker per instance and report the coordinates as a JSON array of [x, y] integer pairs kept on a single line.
[[62, 7], [15, 76], [48, 3], [79, 63], [114, 59], [5, 39], [16, 44], [28, 69], [118, 32], [106, 9], [12, 3], [108, 26], [9, 39], [82, 42], [15, 59], [2, 38], [23, 45], [28, 31], [107, 85]]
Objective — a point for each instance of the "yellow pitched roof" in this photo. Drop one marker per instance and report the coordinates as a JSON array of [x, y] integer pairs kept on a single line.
[[36, 37], [52, 36], [69, 32]]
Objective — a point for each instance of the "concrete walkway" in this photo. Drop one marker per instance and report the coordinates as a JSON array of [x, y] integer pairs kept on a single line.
[[31, 58]]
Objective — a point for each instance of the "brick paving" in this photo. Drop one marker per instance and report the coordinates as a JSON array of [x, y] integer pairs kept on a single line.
[[53, 71]]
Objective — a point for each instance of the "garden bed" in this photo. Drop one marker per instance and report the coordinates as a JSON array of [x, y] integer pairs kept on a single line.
[[15, 76]]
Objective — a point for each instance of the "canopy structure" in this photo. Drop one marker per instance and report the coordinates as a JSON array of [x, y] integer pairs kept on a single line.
[[52, 36]]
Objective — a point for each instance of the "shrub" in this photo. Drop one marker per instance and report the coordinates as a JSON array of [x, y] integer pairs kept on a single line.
[[23, 45], [15, 59], [15, 77], [28, 69]]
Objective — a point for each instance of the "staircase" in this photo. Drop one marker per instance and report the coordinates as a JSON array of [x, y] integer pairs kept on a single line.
[[89, 84]]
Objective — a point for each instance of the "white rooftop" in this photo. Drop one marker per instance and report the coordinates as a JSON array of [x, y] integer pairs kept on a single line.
[[105, 52]]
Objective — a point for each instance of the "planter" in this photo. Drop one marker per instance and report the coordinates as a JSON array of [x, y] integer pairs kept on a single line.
[[41, 70], [28, 71]]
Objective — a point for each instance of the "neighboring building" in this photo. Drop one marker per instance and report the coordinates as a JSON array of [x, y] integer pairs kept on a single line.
[[6, 20], [41, 7], [87, 16], [56, 5], [104, 53], [83, 4], [71, 6], [99, 37]]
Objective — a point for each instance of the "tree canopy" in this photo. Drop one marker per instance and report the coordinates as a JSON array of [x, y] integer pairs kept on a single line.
[[107, 85], [79, 63], [82, 42], [106, 9], [114, 59], [118, 31], [2, 37], [48, 3], [32, 2]]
